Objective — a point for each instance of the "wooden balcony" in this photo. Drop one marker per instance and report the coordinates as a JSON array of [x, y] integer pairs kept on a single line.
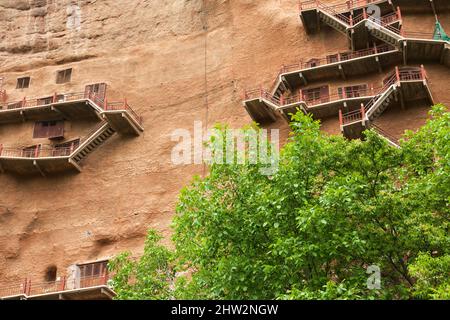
[[68, 106], [91, 288], [52, 160], [339, 65], [404, 85], [73, 106], [348, 18], [122, 118], [261, 106]]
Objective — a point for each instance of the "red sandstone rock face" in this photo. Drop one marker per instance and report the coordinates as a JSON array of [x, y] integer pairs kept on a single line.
[[176, 62]]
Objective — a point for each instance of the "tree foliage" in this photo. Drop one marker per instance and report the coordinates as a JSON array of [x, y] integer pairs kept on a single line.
[[311, 230]]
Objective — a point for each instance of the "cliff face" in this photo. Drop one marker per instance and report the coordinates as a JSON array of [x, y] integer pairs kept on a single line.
[[176, 61]]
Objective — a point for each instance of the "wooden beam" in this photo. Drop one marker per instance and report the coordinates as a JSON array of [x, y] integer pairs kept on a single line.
[[22, 114], [305, 82], [402, 100], [39, 168], [76, 165], [443, 51], [53, 108], [128, 119], [342, 73], [352, 39], [286, 84], [106, 293], [377, 60], [405, 52]]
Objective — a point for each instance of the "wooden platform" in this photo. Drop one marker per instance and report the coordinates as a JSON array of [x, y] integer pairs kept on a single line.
[[353, 130], [50, 161], [36, 166], [332, 108], [401, 94], [123, 122], [92, 293], [342, 69], [71, 110], [261, 110]]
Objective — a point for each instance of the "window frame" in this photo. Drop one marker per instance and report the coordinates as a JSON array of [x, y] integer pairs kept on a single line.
[[21, 81], [64, 76]]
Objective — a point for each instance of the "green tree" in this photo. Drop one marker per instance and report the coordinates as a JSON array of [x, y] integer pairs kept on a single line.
[[311, 230], [147, 278]]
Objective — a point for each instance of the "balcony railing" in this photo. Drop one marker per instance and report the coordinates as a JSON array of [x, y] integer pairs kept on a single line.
[[40, 151], [29, 288], [341, 7], [303, 98], [400, 75], [335, 58], [70, 97]]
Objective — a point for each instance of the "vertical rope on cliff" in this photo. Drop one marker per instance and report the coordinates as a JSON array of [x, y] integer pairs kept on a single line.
[[205, 29]]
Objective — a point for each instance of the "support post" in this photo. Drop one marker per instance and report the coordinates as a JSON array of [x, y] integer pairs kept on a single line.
[[363, 114], [397, 73], [423, 72], [63, 284], [341, 119]]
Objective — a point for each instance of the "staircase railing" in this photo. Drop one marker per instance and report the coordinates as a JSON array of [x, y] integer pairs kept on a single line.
[[340, 57], [393, 139], [309, 102], [399, 76], [47, 151], [344, 7]]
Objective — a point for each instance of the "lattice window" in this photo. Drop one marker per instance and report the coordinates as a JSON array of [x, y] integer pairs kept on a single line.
[[332, 58], [99, 89], [353, 91], [317, 95]]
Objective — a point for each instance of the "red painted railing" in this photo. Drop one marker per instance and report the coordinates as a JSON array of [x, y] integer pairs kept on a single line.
[[40, 151], [29, 288], [68, 97], [301, 98], [341, 7], [338, 11], [108, 106], [400, 75], [339, 57]]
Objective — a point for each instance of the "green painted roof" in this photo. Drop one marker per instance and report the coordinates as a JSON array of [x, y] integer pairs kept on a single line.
[[439, 33]]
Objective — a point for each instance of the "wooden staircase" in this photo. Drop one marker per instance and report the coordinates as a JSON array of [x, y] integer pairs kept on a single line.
[[92, 142], [390, 138], [380, 103]]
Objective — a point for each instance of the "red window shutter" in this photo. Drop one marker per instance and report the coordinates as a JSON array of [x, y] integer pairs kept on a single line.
[[39, 130], [56, 130]]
